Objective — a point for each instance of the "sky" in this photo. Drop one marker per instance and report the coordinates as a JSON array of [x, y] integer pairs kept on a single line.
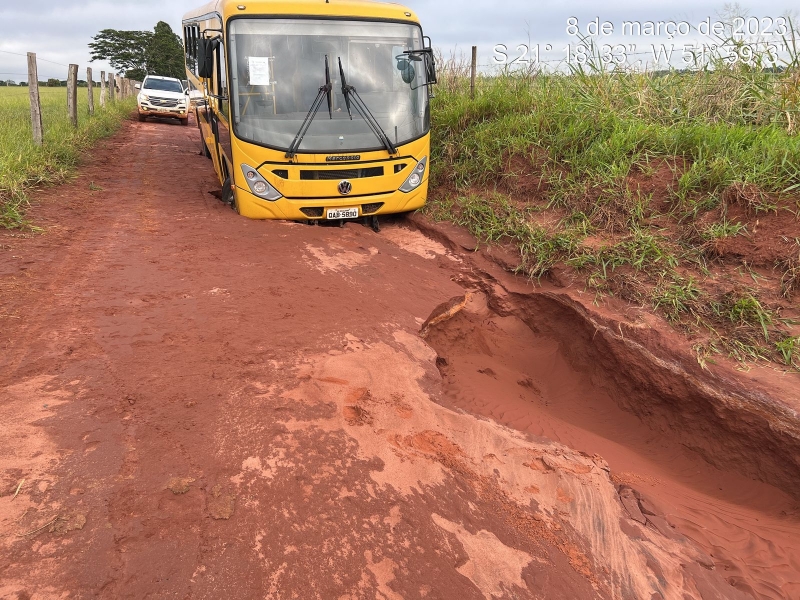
[[59, 30]]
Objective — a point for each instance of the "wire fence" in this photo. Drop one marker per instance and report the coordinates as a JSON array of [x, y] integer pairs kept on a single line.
[[40, 59], [110, 89]]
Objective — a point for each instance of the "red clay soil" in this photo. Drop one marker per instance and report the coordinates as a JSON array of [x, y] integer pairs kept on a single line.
[[495, 365], [197, 405]]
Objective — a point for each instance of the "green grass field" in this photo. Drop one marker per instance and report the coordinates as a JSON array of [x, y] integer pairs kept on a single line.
[[677, 192], [24, 165]]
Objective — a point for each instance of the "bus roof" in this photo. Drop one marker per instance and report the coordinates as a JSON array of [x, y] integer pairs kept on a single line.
[[331, 8]]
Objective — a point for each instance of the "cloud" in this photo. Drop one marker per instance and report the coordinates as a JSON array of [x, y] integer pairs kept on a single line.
[[61, 31]]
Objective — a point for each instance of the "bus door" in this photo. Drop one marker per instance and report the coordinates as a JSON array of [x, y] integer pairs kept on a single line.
[[220, 117], [217, 108]]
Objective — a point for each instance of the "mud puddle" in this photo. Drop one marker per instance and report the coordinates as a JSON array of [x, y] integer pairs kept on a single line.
[[496, 366]]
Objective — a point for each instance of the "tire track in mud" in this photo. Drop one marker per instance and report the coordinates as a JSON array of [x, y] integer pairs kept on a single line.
[[132, 410], [84, 254], [39, 345]]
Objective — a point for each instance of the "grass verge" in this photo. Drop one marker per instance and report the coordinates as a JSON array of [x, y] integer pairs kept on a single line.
[[24, 165], [676, 192]]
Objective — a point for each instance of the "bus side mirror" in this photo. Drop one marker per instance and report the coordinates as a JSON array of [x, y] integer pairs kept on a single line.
[[430, 67], [137, 86], [205, 57], [430, 62]]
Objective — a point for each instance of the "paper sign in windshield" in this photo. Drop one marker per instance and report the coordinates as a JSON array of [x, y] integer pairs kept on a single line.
[[259, 70]]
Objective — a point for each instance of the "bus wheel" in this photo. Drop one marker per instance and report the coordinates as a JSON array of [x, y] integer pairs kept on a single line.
[[185, 121], [228, 195]]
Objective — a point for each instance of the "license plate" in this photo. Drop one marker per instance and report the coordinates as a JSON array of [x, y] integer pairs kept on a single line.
[[343, 213]]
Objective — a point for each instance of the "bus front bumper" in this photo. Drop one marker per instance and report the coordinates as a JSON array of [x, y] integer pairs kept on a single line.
[[317, 209]]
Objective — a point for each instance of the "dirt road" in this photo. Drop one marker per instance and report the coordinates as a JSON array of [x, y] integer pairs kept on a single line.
[[195, 405]]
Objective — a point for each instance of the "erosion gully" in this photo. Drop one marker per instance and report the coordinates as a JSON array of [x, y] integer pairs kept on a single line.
[[717, 452]]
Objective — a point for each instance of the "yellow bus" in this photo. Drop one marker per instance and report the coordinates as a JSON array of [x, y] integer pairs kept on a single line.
[[313, 110]]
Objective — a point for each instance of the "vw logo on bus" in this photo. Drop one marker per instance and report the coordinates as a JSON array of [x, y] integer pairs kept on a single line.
[[345, 187]]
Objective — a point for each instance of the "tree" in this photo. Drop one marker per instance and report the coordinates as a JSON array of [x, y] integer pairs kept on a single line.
[[165, 53], [125, 50], [141, 53]]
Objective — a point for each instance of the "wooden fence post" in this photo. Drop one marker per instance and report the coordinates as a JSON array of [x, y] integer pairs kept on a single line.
[[72, 94], [102, 89], [474, 69], [111, 87], [90, 83], [33, 93]]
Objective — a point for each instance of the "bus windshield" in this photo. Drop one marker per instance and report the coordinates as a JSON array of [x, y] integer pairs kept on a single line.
[[278, 66]]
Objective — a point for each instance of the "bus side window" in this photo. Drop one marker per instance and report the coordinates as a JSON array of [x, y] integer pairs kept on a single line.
[[190, 43], [196, 45], [193, 49]]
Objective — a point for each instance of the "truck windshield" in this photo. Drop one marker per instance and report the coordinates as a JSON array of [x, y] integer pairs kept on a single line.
[[278, 66], [163, 85]]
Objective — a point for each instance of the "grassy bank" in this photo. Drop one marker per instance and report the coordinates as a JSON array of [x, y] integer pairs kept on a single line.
[[676, 192], [24, 165]]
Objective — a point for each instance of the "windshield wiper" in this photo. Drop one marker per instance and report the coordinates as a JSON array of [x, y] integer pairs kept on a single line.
[[324, 90], [363, 110]]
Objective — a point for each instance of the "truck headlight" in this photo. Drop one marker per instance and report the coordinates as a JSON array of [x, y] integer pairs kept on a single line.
[[258, 185], [412, 181]]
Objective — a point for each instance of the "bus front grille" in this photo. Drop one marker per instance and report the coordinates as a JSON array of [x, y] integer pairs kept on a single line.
[[309, 174]]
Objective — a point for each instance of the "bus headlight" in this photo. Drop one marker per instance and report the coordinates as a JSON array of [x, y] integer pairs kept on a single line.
[[413, 180], [258, 185]]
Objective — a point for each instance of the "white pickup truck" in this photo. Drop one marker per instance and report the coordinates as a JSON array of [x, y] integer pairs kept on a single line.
[[163, 97]]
